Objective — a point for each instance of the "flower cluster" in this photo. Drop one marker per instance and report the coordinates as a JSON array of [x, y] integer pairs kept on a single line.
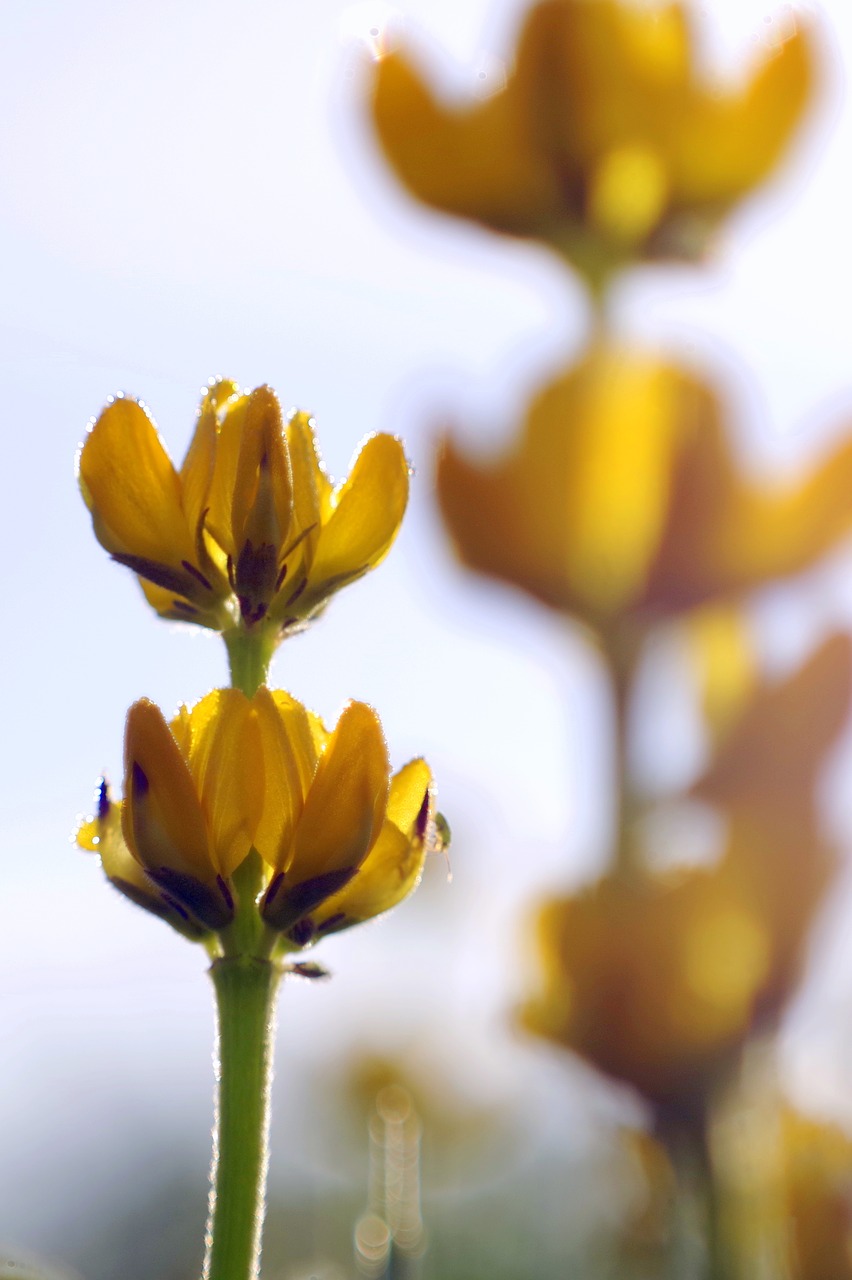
[[623, 496], [251, 530], [621, 504], [245, 806], [606, 143], [339, 840], [657, 977]]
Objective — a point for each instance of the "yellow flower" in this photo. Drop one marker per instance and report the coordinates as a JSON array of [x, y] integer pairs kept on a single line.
[[102, 835], [659, 979], [623, 495], [341, 841], [251, 529], [816, 1197], [606, 141]]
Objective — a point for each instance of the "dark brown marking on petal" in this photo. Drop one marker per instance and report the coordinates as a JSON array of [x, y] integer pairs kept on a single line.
[[274, 885], [330, 585], [139, 785], [184, 606], [289, 903], [104, 802], [302, 933], [197, 574], [421, 824], [333, 923], [162, 575], [200, 899], [153, 903], [225, 890], [299, 591], [254, 578], [306, 895], [282, 574], [174, 905], [300, 538], [162, 905], [251, 614]]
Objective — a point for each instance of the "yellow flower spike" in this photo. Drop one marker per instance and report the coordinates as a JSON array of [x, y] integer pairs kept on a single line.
[[342, 816], [163, 820], [103, 835], [251, 536], [605, 141], [623, 496], [660, 979]]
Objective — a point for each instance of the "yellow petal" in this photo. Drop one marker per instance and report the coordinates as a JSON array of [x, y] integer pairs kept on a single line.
[[163, 821], [367, 510], [172, 605], [227, 767], [408, 790], [220, 499], [340, 822], [196, 474], [132, 489], [771, 757], [726, 145], [392, 868], [478, 162], [311, 486], [261, 503], [103, 835], [345, 806], [289, 764]]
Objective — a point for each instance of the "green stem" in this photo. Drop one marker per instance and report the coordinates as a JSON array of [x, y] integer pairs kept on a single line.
[[620, 649], [245, 998], [249, 656], [701, 1249]]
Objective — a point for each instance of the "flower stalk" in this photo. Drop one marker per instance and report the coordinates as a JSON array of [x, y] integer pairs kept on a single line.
[[246, 989], [249, 656]]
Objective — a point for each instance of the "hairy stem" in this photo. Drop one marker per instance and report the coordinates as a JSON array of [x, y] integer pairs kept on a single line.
[[246, 988]]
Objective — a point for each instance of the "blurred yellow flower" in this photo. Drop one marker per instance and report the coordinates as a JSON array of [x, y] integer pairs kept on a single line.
[[786, 1182], [606, 142], [341, 841], [251, 530], [816, 1205], [659, 979], [623, 494]]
